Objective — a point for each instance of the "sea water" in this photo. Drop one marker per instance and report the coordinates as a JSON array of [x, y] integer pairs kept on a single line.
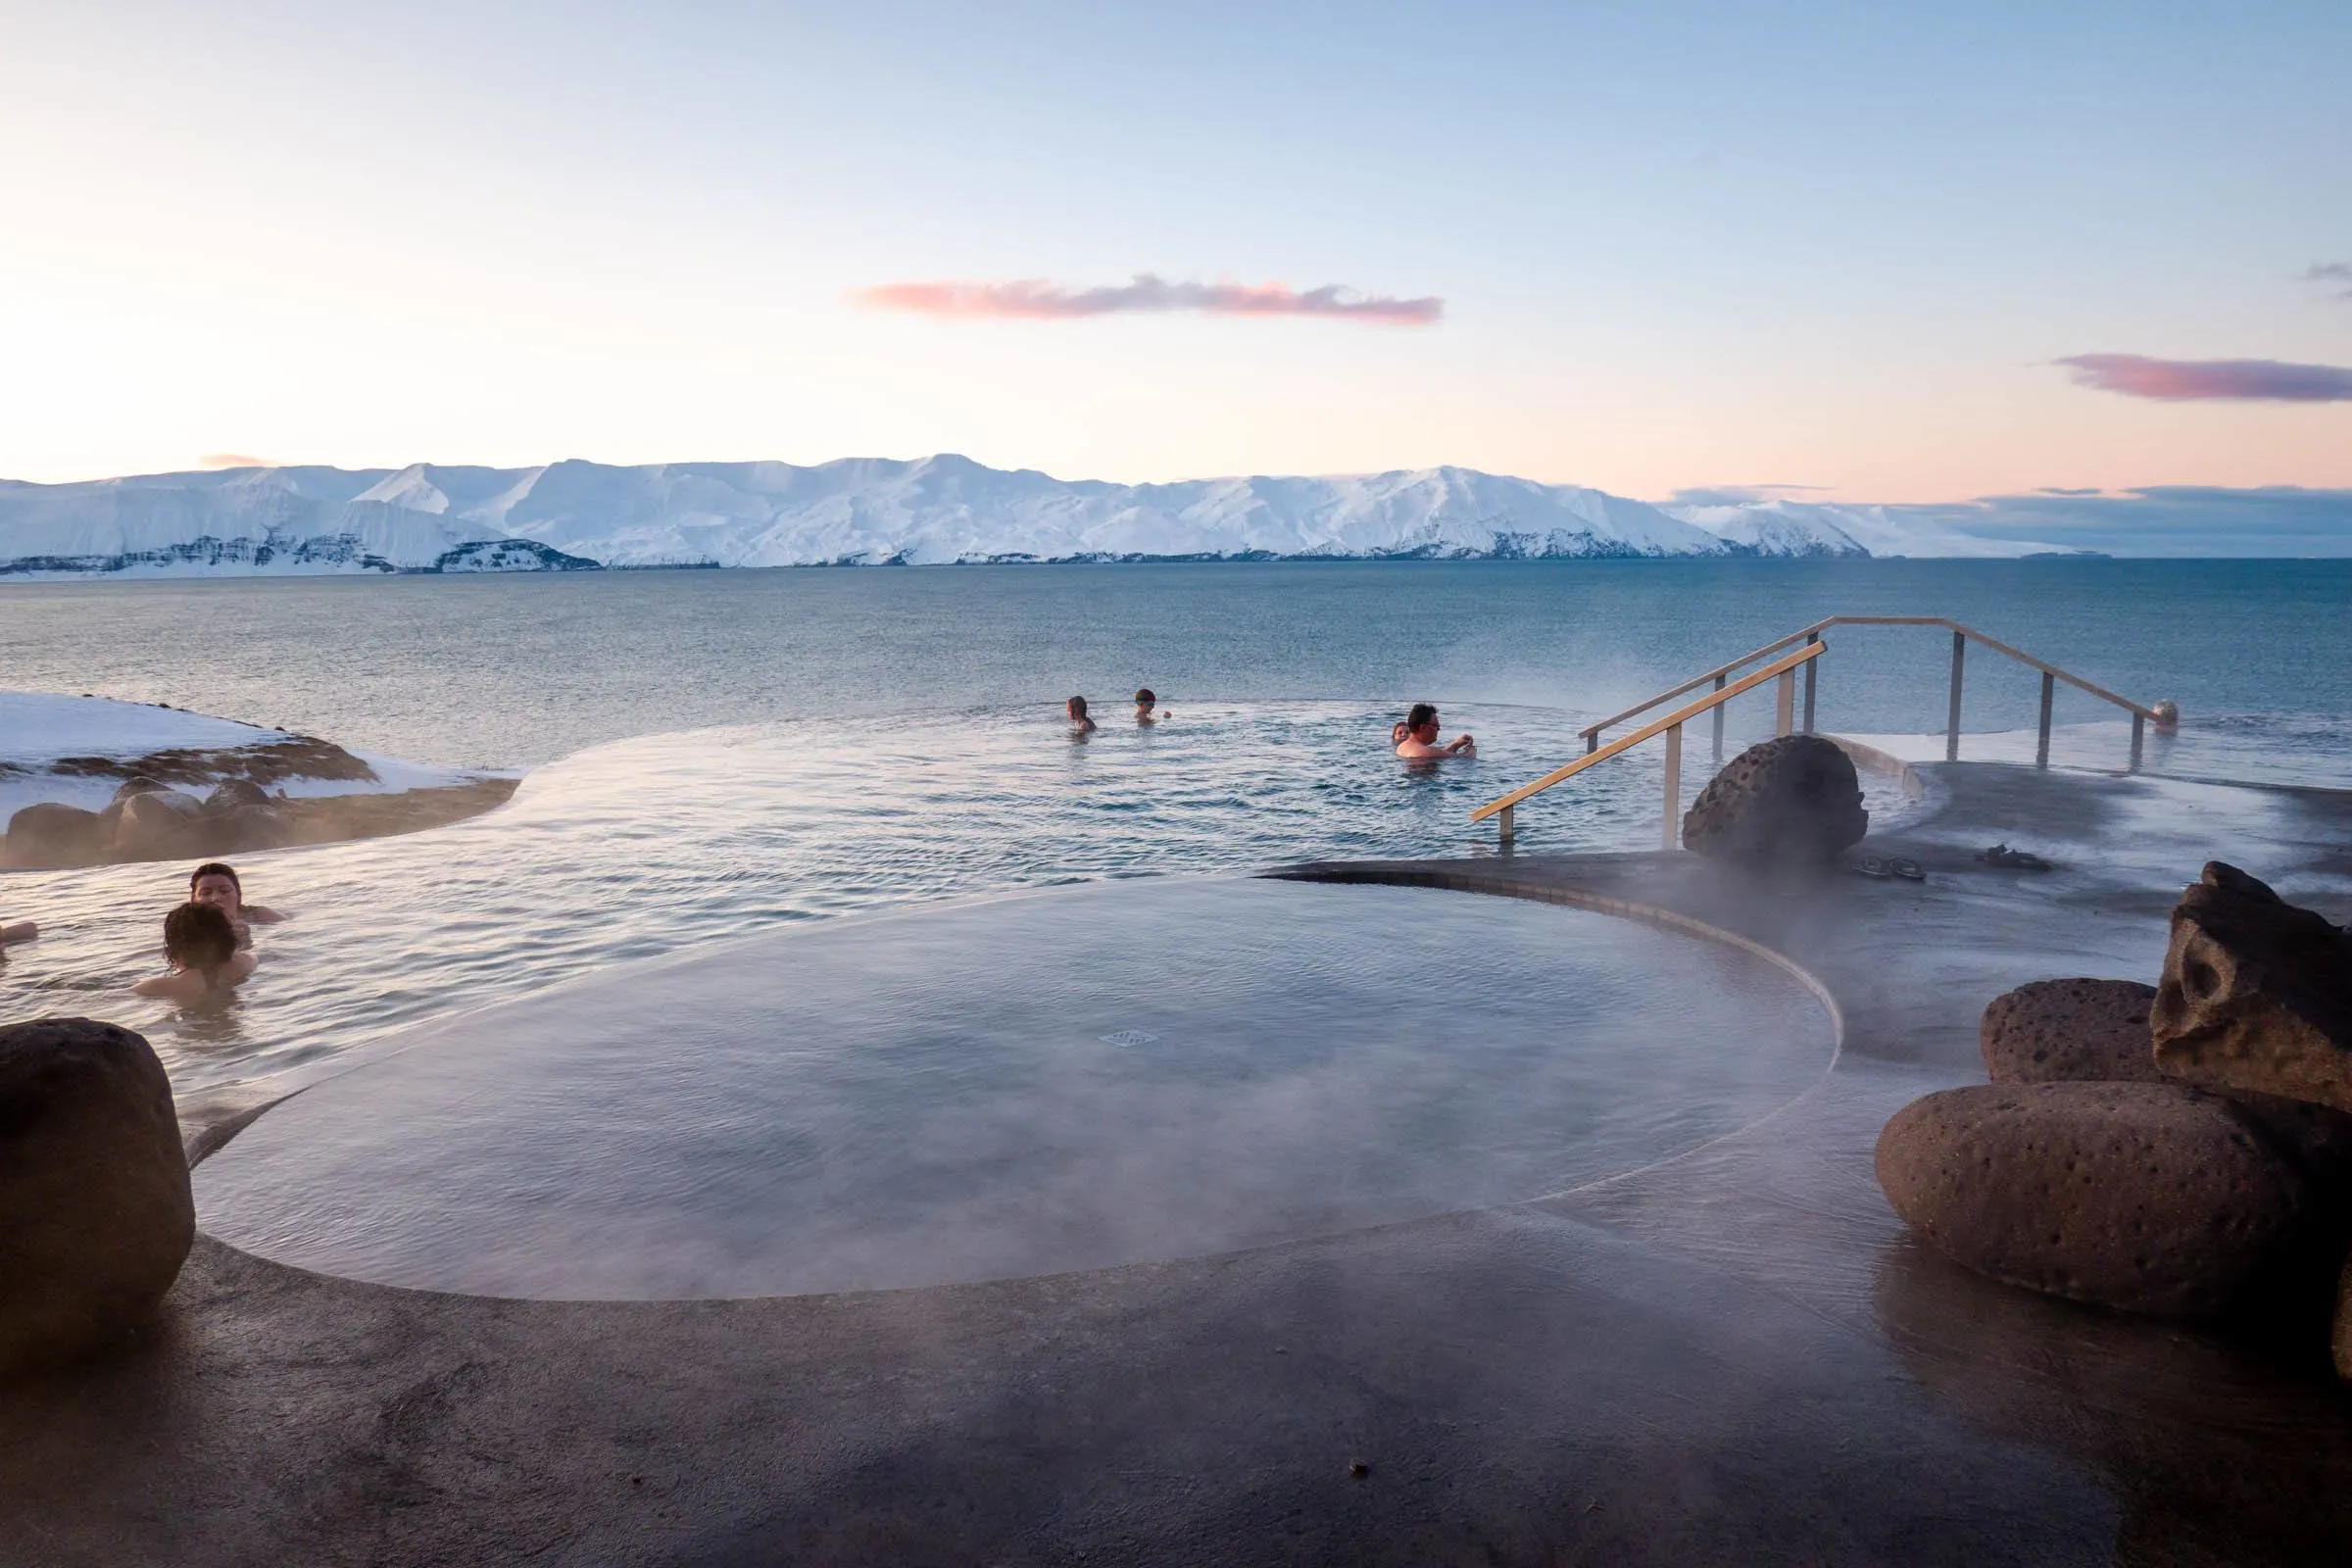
[[714, 752]]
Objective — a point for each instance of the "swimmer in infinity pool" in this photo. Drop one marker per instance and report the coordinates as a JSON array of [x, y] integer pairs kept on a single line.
[[21, 931], [1145, 702], [1080, 724], [217, 884], [206, 964], [1417, 736]]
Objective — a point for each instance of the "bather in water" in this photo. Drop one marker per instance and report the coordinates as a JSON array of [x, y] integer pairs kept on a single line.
[[1417, 737], [206, 966]]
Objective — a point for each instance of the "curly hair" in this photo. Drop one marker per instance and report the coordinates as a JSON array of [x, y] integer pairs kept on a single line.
[[199, 937]]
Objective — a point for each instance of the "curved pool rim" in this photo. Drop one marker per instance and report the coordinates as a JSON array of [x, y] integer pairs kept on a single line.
[[211, 1140]]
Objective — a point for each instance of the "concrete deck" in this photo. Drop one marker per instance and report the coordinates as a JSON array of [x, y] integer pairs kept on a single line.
[[1734, 1355]]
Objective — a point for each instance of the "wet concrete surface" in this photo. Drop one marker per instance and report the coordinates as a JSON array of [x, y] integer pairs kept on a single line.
[[1733, 1356]]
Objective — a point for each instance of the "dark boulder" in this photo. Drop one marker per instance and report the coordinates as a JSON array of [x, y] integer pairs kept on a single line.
[[138, 784], [156, 825], [95, 1211], [1790, 801], [2098, 1031], [230, 794], [2343, 1322], [2149, 1198], [2071, 1031], [248, 828], [2257, 994], [50, 833]]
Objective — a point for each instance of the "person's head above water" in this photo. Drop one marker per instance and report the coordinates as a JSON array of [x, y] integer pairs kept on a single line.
[[1143, 698], [1076, 707], [198, 937], [215, 883], [1420, 717]]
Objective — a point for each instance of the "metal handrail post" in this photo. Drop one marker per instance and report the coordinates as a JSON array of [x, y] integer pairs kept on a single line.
[[2042, 749], [1507, 824], [1810, 669], [1674, 786], [2139, 728], [1784, 717], [1951, 728], [1718, 685]]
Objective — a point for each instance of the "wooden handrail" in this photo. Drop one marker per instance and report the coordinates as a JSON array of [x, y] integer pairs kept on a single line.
[[1679, 716], [1592, 732]]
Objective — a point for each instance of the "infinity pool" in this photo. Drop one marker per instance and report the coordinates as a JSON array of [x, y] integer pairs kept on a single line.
[[1060, 1080]]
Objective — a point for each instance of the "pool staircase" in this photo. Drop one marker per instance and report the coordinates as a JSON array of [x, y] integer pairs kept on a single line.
[[1784, 667]]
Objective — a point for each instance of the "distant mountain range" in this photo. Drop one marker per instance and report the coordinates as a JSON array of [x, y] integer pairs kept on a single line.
[[577, 515]]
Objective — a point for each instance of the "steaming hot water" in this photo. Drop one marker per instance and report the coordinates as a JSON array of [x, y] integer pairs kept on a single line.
[[1067, 1079]]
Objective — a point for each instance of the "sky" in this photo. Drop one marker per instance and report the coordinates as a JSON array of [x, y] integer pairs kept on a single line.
[[1884, 252]]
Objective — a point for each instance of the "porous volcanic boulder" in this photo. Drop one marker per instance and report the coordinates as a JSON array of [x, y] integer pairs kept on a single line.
[[2149, 1198], [1790, 800], [95, 1212], [2098, 1031], [2071, 1031], [2255, 994], [52, 834], [139, 784], [155, 824]]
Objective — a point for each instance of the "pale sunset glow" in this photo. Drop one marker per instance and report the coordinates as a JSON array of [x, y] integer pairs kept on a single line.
[[1645, 250]]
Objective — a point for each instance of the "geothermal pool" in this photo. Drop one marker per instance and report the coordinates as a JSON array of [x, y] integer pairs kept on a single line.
[[1066, 1079]]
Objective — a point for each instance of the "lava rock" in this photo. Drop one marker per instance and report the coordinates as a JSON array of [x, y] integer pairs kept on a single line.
[[233, 793], [2343, 1323], [2098, 1031], [2071, 1031], [2148, 1197], [139, 784], [248, 828], [157, 824], [1790, 801], [95, 1211], [2255, 994], [50, 833]]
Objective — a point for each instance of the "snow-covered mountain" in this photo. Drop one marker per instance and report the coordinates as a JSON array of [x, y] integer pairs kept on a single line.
[[1815, 528], [865, 512]]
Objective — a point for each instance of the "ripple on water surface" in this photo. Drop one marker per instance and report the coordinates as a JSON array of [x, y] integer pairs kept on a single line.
[[650, 846], [1069, 1079]]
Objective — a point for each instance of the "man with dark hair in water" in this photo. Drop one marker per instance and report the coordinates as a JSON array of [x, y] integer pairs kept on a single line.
[[215, 883], [201, 947], [1417, 736]]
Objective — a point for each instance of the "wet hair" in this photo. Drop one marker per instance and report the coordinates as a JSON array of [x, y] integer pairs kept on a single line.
[[199, 937], [1077, 706], [1143, 698], [1418, 714], [216, 868]]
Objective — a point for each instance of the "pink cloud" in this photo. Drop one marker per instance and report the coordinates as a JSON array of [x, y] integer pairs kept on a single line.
[[1036, 300], [2179, 381], [232, 460]]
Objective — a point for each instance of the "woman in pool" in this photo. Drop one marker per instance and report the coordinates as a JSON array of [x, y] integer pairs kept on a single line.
[[1079, 722], [217, 884], [1417, 736], [206, 964]]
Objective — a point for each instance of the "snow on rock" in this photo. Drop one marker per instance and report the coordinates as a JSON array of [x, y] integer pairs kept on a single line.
[[77, 750], [873, 512]]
